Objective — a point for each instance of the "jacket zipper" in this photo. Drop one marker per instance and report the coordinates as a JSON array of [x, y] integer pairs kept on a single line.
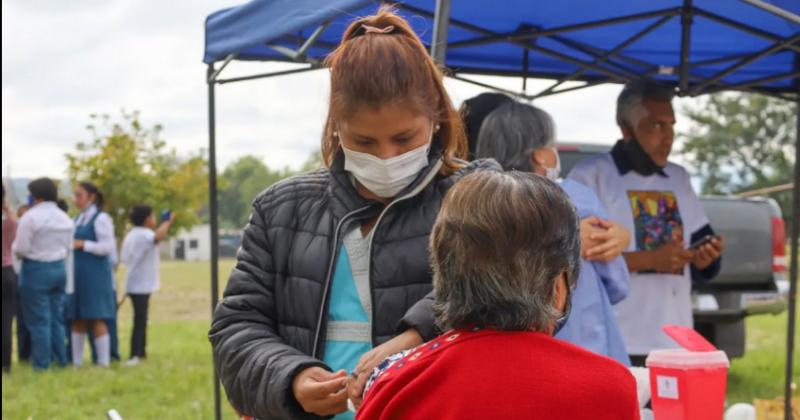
[[422, 185], [331, 264], [315, 349]]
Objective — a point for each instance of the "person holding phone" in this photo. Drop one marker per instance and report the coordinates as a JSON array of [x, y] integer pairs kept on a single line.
[[93, 301], [140, 255], [653, 198]]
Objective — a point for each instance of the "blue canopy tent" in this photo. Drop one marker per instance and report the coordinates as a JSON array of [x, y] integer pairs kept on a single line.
[[699, 46]]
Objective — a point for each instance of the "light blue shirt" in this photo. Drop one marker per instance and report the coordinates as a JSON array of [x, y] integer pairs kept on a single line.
[[591, 324], [349, 327]]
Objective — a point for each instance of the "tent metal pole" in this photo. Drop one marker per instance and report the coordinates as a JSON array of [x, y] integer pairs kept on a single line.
[[312, 39], [745, 61], [266, 75], [596, 52], [686, 41], [441, 22], [795, 262], [720, 60], [609, 54], [212, 206], [742, 27], [490, 38], [526, 44], [526, 65], [225, 63], [775, 10], [750, 83], [488, 86], [570, 89]]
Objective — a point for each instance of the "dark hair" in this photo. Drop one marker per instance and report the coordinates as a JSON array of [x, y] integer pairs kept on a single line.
[[62, 205], [43, 189], [512, 132], [140, 213], [498, 244], [92, 189], [474, 110], [373, 69]]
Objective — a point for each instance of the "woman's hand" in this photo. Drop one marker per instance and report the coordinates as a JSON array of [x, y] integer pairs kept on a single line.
[[78, 244], [321, 392], [612, 238], [358, 378], [589, 226]]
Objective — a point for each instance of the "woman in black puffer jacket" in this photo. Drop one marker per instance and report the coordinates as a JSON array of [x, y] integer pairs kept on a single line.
[[333, 274]]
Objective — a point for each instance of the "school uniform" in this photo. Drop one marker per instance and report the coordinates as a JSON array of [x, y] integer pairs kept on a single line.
[[44, 238], [140, 255], [93, 294]]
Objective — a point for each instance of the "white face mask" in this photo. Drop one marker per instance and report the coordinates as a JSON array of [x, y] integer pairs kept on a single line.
[[554, 174], [386, 177]]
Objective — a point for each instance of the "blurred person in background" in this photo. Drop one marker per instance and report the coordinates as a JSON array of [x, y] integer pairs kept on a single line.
[[140, 256], [43, 241], [93, 300], [9, 280]]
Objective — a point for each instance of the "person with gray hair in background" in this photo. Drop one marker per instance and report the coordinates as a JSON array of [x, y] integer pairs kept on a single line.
[[505, 252], [674, 242], [521, 137]]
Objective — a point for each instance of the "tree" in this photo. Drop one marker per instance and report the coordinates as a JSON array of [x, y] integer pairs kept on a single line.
[[240, 183], [132, 165], [741, 142]]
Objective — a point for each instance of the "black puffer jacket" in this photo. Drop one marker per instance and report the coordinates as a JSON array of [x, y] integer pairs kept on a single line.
[[271, 323]]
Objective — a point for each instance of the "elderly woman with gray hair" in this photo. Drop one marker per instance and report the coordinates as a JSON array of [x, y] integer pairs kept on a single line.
[[521, 137], [505, 254]]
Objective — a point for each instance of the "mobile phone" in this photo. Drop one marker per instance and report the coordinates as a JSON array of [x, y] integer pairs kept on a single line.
[[702, 241], [165, 215]]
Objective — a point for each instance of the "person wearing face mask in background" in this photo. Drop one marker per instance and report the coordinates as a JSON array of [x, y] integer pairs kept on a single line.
[[654, 198], [521, 137], [93, 301], [333, 274]]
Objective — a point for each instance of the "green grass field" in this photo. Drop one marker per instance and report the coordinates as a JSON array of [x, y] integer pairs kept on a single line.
[[176, 380]]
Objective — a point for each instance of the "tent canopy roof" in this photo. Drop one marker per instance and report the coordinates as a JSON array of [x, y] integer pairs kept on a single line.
[[732, 45]]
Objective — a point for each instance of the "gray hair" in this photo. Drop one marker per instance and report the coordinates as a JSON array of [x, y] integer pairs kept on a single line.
[[510, 133], [629, 102], [498, 245]]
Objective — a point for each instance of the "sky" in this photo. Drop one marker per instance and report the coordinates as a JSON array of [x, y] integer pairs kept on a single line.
[[64, 60]]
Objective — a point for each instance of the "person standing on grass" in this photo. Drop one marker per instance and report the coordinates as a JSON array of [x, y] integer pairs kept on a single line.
[[43, 240], [93, 301], [140, 255], [23, 337], [9, 280]]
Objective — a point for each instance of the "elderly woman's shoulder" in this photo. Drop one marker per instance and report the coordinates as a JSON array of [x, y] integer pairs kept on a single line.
[[308, 185]]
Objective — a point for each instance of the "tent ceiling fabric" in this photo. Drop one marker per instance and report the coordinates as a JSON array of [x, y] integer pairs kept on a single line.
[[732, 44]]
